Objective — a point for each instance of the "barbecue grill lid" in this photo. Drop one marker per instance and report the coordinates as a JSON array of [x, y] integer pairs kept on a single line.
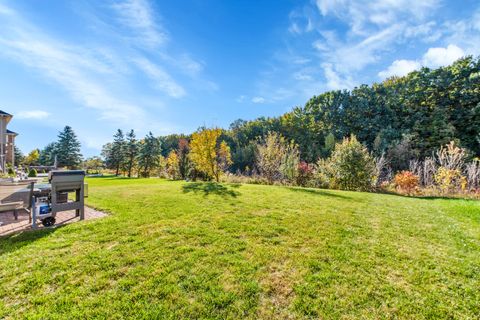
[[67, 173]]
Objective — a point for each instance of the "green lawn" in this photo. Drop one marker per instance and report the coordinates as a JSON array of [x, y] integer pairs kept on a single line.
[[192, 250]]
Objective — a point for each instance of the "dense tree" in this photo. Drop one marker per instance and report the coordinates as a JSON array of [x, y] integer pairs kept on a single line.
[[149, 155], [117, 156], [131, 152], [68, 149], [47, 154], [19, 157], [184, 165]]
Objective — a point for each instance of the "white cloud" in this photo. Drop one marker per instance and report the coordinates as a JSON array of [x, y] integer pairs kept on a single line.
[[433, 58], [137, 15], [32, 114], [258, 100], [399, 68], [334, 80], [162, 80], [439, 57]]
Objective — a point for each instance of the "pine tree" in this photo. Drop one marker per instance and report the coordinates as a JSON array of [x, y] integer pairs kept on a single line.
[[149, 154], [68, 149], [183, 158], [131, 152], [47, 154], [118, 151], [19, 157]]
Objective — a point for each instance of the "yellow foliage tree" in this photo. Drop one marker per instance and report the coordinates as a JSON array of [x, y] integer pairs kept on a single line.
[[172, 165], [208, 156]]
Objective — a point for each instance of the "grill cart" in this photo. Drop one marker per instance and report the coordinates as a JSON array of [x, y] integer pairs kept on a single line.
[[47, 201]]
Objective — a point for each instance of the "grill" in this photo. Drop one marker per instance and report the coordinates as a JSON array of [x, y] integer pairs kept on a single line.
[[62, 183], [54, 197]]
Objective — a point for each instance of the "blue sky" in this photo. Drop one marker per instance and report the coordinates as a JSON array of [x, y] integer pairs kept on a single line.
[[172, 66]]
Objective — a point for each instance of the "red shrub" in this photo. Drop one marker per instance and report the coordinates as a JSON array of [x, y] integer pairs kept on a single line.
[[406, 181], [305, 173]]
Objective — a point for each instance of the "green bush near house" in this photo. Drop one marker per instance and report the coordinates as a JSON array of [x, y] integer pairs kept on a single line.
[[10, 171], [32, 173]]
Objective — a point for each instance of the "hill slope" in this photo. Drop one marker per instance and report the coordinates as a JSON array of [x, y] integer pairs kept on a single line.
[[176, 250]]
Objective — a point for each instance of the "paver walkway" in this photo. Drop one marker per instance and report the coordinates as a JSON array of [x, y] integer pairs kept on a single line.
[[10, 225]]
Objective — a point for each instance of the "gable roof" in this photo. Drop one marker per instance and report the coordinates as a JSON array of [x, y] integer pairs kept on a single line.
[[11, 132]]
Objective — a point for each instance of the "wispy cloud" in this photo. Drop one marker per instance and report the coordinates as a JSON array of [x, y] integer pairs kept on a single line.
[[32, 114], [162, 80], [259, 100], [137, 15]]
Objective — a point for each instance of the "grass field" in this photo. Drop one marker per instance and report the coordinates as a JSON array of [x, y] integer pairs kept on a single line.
[[202, 250]]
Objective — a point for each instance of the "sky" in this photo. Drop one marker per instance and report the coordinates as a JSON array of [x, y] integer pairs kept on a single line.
[[173, 66]]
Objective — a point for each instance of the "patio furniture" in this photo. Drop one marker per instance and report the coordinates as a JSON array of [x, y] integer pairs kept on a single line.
[[11, 206], [13, 199]]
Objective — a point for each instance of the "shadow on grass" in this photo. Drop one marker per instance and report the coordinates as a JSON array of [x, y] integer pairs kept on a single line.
[[15, 241], [458, 198], [207, 188], [319, 192]]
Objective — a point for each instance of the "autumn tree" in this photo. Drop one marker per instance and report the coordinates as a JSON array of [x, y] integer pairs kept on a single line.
[[209, 156], [32, 158], [172, 165]]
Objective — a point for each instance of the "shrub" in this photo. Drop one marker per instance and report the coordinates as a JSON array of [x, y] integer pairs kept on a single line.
[[450, 180], [10, 171], [406, 181], [32, 173], [276, 158], [322, 173], [451, 156], [305, 174], [352, 167]]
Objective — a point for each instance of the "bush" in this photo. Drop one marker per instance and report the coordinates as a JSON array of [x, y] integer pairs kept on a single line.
[[10, 171], [277, 159], [351, 166], [305, 173], [406, 181], [450, 180], [32, 173]]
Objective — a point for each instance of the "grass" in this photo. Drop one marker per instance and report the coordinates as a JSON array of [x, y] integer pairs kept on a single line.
[[204, 250]]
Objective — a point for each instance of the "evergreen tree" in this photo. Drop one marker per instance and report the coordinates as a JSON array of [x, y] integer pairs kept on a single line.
[[183, 158], [47, 154], [19, 157], [118, 152], [131, 152], [149, 154], [68, 149]]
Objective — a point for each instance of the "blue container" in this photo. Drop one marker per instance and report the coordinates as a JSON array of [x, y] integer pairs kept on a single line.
[[44, 209]]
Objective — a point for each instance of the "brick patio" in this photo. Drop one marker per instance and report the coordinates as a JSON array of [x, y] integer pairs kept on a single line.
[[10, 225]]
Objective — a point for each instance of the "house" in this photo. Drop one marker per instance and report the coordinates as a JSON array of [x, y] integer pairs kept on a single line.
[[7, 142]]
